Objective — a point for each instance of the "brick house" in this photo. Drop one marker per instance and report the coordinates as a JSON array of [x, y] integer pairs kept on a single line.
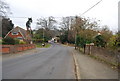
[[20, 34]]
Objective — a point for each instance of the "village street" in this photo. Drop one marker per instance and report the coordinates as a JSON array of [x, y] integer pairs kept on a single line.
[[60, 39], [55, 62]]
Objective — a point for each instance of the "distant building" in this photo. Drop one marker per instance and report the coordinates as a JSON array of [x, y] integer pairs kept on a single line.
[[19, 33], [56, 39]]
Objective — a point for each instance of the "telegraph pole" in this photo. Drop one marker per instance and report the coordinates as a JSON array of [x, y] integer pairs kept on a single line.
[[118, 40], [43, 35], [1, 25], [1, 48]]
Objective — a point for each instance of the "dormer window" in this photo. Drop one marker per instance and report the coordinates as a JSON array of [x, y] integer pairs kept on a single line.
[[14, 33]]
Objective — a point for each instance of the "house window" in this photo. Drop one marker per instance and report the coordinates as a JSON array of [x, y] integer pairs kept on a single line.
[[20, 38], [15, 33]]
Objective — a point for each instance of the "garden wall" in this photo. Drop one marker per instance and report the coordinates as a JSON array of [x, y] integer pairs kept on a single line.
[[103, 54], [16, 48]]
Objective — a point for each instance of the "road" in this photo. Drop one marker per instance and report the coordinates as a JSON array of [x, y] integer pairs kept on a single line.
[[52, 63], [55, 62]]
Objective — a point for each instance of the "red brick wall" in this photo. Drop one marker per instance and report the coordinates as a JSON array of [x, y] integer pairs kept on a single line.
[[16, 48], [20, 48], [6, 50]]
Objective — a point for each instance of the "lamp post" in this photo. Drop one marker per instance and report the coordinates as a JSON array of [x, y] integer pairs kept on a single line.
[[75, 31], [43, 44], [1, 25], [43, 36], [75, 40]]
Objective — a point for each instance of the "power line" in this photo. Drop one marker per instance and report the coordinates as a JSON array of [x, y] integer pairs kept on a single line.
[[37, 17], [91, 7], [60, 17], [30, 17], [17, 17]]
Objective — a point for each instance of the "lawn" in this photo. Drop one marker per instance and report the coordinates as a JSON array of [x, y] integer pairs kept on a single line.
[[39, 45]]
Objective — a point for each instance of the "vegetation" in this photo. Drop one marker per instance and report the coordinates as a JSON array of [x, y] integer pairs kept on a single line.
[[22, 42], [4, 8], [74, 30], [81, 31], [46, 30], [99, 41], [8, 41], [17, 41], [6, 23], [12, 41], [39, 45]]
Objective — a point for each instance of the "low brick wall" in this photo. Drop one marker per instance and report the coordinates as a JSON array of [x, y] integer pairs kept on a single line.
[[16, 48], [102, 53]]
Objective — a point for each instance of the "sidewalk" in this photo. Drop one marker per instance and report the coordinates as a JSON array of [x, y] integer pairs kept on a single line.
[[94, 69]]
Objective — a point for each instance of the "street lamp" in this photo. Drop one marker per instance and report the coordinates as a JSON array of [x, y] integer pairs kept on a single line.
[[43, 44], [75, 40]]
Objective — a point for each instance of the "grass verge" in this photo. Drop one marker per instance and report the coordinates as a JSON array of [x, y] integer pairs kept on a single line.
[[39, 45], [113, 65]]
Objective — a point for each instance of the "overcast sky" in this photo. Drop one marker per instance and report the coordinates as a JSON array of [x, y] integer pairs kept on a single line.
[[106, 11]]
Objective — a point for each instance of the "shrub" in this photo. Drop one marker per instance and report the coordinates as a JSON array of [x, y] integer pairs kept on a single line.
[[17, 41], [80, 41], [99, 41], [8, 40], [22, 42]]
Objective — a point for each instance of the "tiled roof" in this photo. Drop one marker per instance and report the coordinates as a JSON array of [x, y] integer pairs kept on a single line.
[[22, 31]]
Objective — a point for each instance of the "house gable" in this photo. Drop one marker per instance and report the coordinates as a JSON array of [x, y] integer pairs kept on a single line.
[[19, 33], [14, 36]]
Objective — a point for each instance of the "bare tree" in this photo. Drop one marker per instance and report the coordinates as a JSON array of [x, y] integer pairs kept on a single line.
[[4, 8], [47, 23], [65, 24]]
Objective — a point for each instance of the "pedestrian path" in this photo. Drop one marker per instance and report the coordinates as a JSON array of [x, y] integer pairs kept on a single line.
[[94, 69]]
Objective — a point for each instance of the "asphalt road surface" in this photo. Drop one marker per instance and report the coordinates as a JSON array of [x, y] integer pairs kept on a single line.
[[55, 62]]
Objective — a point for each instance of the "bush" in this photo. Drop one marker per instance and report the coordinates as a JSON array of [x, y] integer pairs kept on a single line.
[[37, 40], [80, 41], [8, 41], [17, 41], [22, 42], [99, 41]]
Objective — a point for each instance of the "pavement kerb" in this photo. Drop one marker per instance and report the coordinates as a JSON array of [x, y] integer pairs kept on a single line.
[[77, 70]]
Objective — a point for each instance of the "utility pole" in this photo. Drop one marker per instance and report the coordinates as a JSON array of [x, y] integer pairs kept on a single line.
[[75, 30], [1, 48], [118, 39], [43, 36], [1, 23], [1, 18], [43, 44], [75, 40], [119, 17]]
